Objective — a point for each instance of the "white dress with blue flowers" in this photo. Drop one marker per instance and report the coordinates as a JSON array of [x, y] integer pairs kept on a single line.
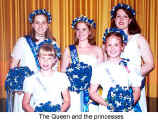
[[23, 53], [43, 89], [75, 97], [132, 52], [109, 75]]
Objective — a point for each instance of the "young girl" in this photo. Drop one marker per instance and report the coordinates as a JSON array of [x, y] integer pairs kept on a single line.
[[114, 72], [46, 87], [89, 54], [25, 50], [137, 48]]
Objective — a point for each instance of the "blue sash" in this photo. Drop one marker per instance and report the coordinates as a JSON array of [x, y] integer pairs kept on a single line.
[[84, 95], [34, 48]]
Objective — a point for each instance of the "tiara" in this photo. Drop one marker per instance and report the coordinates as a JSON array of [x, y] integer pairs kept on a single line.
[[125, 6], [115, 30], [39, 12], [83, 19]]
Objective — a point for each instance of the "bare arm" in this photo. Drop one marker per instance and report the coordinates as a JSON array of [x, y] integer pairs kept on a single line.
[[147, 56], [100, 55], [26, 103], [66, 97], [95, 96], [104, 52], [136, 93], [65, 60], [13, 62]]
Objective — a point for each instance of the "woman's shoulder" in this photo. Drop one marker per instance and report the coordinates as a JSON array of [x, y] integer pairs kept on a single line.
[[137, 37], [21, 39], [95, 47]]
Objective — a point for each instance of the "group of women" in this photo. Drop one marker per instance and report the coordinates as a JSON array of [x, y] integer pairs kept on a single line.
[[123, 17]]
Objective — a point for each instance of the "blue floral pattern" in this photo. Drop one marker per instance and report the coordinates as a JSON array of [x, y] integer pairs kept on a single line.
[[15, 78], [40, 12], [112, 30], [47, 107], [120, 99], [79, 76], [83, 19], [119, 6]]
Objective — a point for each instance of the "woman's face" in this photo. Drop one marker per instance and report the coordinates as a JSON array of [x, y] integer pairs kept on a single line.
[[122, 20], [40, 24], [82, 31]]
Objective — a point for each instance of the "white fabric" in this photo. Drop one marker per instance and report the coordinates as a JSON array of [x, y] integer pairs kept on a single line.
[[22, 52], [132, 52], [108, 75], [44, 89], [75, 97]]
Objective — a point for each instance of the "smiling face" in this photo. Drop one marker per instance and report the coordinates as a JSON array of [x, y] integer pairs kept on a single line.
[[122, 20], [40, 24], [114, 46], [82, 31], [46, 57]]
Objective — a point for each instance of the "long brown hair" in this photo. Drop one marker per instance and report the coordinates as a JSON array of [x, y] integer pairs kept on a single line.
[[47, 33], [133, 27], [91, 37]]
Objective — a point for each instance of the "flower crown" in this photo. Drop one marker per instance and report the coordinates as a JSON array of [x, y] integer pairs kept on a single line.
[[115, 30], [83, 19], [125, 6], [40, 12]]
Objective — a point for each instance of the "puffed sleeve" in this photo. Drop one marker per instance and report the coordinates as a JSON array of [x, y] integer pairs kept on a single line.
[[64, 81], [18, 48], [134, 76], [28, 85]]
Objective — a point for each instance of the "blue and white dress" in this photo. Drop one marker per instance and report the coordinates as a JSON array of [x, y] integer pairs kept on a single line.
[[133, 53], [43, 89], [77, 100], [25, 50], [109, 75]]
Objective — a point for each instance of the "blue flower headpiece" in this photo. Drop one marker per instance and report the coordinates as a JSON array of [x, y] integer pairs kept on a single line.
[[119, 6], [40, 12], [112, 30], [83, 19]]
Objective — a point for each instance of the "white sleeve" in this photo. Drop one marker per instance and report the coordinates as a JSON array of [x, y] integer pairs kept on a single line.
[[28, 85], [18, 48], [135, 76], [64, 81]]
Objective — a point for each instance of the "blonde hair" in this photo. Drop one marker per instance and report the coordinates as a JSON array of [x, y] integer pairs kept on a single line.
[[46, 50]]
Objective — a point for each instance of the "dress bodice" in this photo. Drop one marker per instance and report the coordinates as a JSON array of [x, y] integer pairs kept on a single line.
[[108, 75], [132, 51], [88, 59]]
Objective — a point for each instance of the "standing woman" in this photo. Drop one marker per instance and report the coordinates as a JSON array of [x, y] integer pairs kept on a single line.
[[25, 50], [137, 49], [84, 54]]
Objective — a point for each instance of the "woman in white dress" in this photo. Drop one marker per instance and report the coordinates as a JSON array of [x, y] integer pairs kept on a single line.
[[114, 71], [25, 50], [84, 51], [47, 87], [137, 49]]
